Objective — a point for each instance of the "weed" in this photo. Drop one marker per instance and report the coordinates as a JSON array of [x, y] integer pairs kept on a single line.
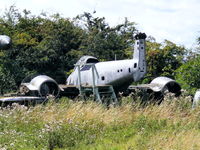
[[66, 124]]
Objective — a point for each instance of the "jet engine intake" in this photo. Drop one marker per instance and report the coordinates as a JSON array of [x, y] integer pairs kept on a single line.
[[5, 42], [42, 86], [157, 89]]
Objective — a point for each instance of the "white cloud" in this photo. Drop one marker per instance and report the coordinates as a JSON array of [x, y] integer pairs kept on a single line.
[[175, 20]]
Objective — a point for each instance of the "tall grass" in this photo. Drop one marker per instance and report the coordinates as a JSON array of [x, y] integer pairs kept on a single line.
[[88, 125]]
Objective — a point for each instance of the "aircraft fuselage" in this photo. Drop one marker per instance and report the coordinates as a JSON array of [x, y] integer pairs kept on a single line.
[[119, 73]]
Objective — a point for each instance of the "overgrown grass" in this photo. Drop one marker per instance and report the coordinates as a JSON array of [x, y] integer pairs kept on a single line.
[[88, 125]]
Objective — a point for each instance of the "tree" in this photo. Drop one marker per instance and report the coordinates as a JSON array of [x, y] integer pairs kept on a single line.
[[163, 58], [7, 81], [42, 45], [104, 41], [188, 75]]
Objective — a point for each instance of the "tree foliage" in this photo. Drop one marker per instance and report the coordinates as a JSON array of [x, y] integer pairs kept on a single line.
[[188, 75], [163, 58], [104, 41]]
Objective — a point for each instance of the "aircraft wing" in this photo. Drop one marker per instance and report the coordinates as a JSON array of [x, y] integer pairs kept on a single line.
[[18, 99]]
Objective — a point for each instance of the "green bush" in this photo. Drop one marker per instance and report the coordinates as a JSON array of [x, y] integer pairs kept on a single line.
[[188, 75]]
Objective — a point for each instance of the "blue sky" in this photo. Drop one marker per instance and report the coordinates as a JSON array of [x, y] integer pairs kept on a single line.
[[174, 20]]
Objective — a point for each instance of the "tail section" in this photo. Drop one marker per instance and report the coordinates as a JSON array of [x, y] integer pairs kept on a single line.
[[139, 57]]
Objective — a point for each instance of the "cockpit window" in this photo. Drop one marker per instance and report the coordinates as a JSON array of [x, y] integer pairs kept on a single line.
[[86, 67], [92, 60]]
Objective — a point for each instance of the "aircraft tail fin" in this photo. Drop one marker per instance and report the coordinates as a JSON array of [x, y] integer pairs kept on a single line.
[[139, 56]]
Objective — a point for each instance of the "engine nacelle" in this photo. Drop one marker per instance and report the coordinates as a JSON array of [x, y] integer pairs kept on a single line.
[[161, 84], [42, 86], [158, 87], [5, 42]]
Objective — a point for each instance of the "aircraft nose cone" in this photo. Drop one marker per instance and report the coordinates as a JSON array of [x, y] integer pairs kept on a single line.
[[5, 42]]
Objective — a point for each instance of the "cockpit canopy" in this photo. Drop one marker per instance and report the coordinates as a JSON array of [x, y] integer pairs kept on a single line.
[[86, 59]]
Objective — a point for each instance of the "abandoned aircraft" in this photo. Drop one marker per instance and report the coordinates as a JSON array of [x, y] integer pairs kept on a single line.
[[102, 79], [119, 73]]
